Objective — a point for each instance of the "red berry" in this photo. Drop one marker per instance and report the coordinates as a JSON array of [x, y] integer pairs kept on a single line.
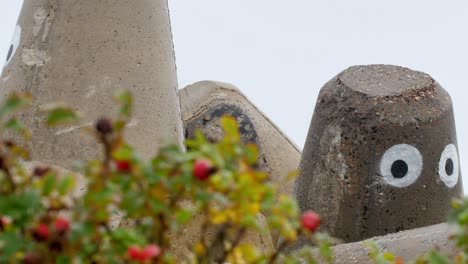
[[135, 252], [62, 224], [41, 171], [4, 222], [123, 165], [310, 220], [41, 232], [202, 168], [151, 251]]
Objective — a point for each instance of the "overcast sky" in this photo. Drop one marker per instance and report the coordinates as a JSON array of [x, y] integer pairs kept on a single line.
[[280, 53]]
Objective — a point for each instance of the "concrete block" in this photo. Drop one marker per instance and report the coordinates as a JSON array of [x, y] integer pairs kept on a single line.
[[381, 153], [80, 52], [406, 244], [203, 103]]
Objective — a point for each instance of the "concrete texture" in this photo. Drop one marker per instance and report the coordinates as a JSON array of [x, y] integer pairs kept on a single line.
[[183, 242], [203, 103], [380, 155], [407, 244], [80, 52]]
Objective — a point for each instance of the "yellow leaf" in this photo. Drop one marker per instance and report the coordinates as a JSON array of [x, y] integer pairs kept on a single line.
[[199, 249]]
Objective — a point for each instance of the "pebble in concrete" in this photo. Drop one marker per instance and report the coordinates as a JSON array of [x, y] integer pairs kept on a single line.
[[381, 153], [80, 52], [202, 105]]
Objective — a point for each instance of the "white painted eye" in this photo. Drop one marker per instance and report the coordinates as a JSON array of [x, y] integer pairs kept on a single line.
[[13, 44], [401, 165], [448, 166]]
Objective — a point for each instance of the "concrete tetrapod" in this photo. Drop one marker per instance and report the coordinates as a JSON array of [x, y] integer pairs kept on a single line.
[[203, 103], [408, 245], [381, 153], [80, 52]]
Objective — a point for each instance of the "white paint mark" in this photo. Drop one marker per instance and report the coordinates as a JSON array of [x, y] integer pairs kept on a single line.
[[34, 57], [6, 78], [40, 16], [335, 159], [49, 19], [90, 93], [133, 123], [14, 44], [341, 162], [106, 82], [450, 153], [410, 156], [72, 128]]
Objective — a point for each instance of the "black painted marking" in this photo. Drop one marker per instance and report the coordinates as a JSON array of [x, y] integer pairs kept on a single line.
[[10, 52], [399, 169], [449, 167], [246, 127]]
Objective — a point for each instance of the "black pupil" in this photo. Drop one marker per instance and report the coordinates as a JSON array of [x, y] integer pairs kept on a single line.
[[399, 169], [10, 52], [449, 167]]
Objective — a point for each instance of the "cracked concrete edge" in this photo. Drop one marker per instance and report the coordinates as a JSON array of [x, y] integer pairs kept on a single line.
[[192, 95]]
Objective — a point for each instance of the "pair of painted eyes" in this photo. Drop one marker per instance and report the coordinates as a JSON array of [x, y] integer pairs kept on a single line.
[[402, 164]]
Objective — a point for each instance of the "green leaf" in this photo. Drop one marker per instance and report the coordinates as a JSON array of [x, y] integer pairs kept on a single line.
[[20, 151], [14, 124], [124, 97], [251, 153], [126, 237], [21, 207], [123, 152], [15, 102], [17, 126], [388, 256], [61, 114], [12, 242], [63, 259], [183, 216], [119, 125], [231, 132], [326, 251], [66, 184], [292, 174], [373, 250], [49, 184], [437, 258]]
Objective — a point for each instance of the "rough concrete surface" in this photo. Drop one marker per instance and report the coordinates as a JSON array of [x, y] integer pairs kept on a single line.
[[182, 243], [406, 244], [380, 156], [80, 52], [202, 105]]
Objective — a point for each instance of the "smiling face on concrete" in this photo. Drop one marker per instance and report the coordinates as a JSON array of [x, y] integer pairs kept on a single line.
[[381, 155]]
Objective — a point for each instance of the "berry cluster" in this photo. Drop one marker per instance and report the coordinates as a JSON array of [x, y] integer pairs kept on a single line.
[[43, 221], [136, 252]]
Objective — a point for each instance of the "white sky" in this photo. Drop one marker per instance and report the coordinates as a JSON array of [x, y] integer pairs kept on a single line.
[[280, 53]]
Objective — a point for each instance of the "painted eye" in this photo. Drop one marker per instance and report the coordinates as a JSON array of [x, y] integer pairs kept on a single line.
[[13, 44], [448, 166], [401, 165]]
